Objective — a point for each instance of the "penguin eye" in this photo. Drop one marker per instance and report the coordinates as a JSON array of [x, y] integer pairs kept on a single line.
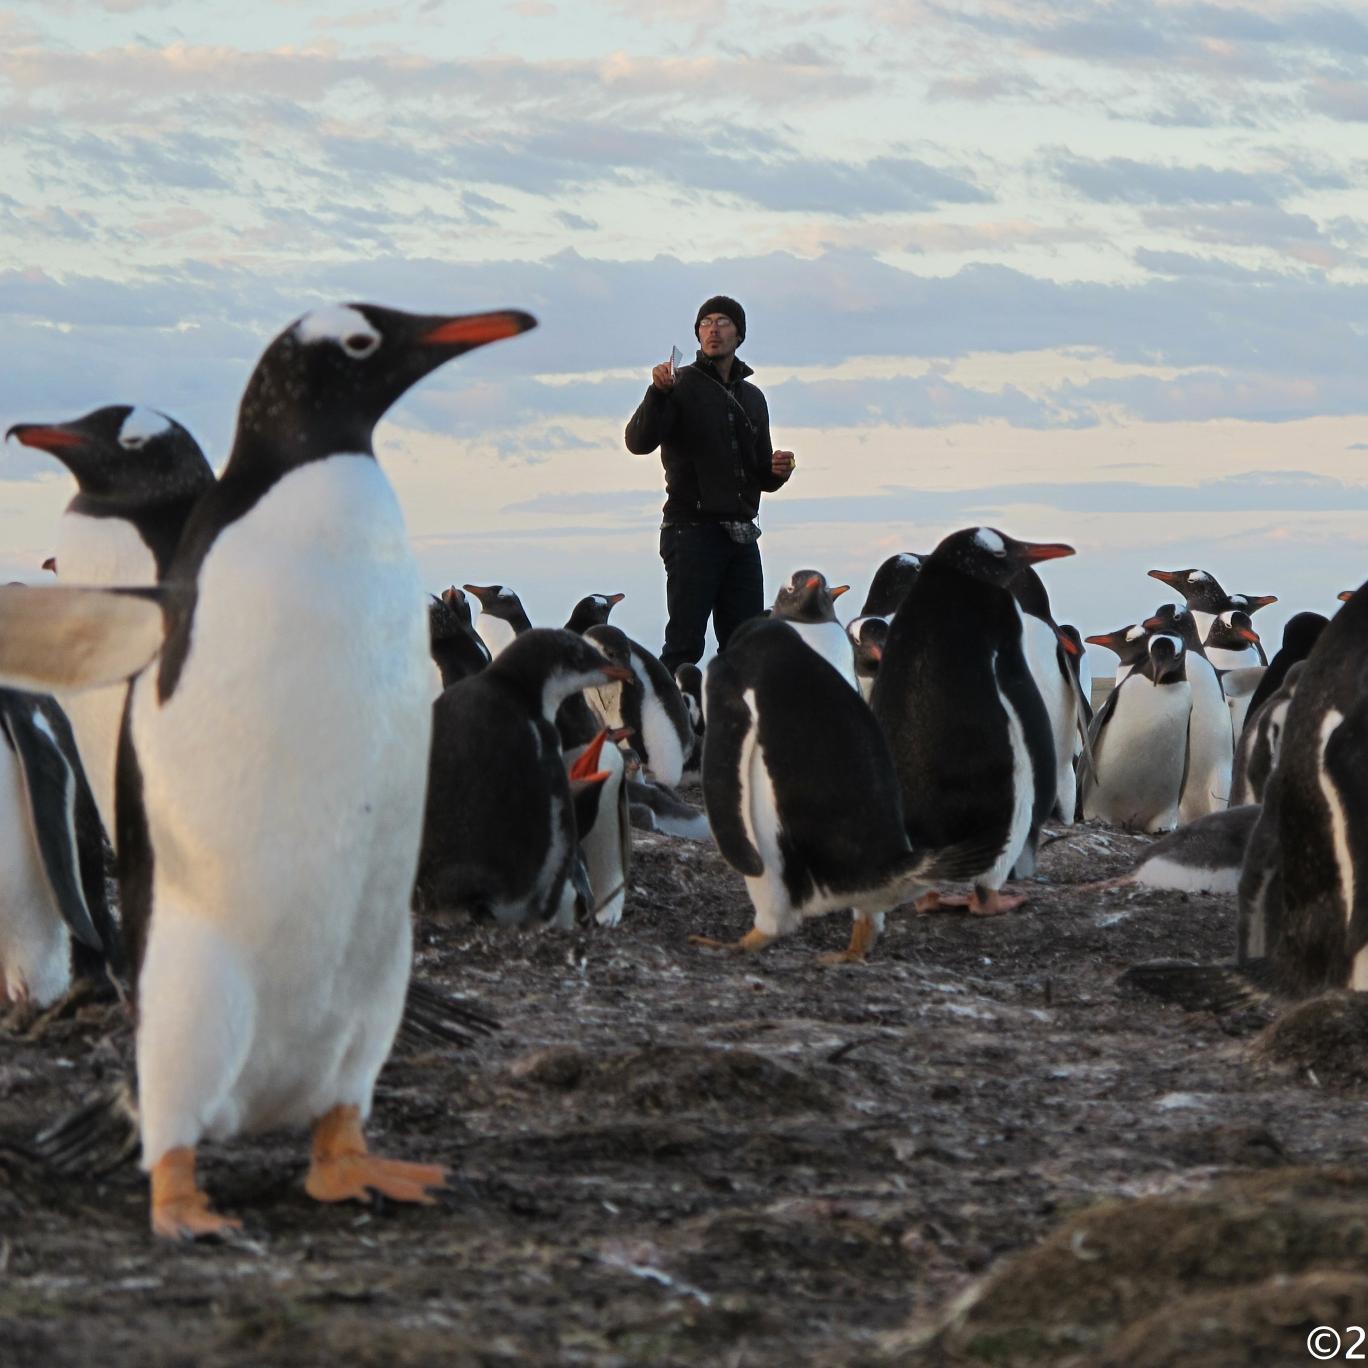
[[360, 344]]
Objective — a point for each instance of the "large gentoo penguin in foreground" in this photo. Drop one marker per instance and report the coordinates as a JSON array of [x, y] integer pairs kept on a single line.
[[892, 583], [1140, 743], [650, 703], [271, 773], [969, 734], [808, 811], [502, 616], [499, 837], [1211, 746], [51, 866], [138, 474], [808, 604]]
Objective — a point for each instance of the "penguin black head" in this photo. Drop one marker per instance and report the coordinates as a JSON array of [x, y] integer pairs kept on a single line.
[[456, 604], [496, 599], [984, 553], [1165, 662], [550, 664], [612, 643], [1198, 588], [1126, 642], [1232, 631], [808, 598], [324, 383], [1175, 621], [869, 636], [592, 611], [124, 454], [892, 583], [1301, 633], [1249, 603]]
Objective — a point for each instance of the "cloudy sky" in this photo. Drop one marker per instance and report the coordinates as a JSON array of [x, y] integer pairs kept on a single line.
[[1085, 271]]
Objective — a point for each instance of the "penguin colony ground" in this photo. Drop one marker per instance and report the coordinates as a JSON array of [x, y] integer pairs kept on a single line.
[[265, 870]]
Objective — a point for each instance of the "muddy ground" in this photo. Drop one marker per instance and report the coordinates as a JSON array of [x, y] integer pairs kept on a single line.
[[673, 1156]]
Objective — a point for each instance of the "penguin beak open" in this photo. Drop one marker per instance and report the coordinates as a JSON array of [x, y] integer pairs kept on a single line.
[[585, 770], [54, 439], [468, 331], [1035, 552]]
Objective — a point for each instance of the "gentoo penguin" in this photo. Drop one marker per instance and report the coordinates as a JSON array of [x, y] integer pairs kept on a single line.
[[272, 764], [969, 734], [808, 604], [650, 703], [1048, 659], [1306, 909], [457, 650], [1231, 643], [808, 814], [1205, 598], [1256, 755], [690, 680], [592, 611], [603, 823], [868, 636], [1140, 743], [1128, 644], [1072, 641], [1204, 856], [138, 473], [1211, 746], [501, 615], [1299, 635], [499, 837], [892, 583], [44, 881]]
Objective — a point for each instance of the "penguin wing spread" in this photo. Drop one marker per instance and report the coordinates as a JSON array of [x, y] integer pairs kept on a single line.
[[61, 638], [724, 748], [50, 789]]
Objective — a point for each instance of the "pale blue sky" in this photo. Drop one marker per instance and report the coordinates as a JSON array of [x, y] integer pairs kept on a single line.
[[1095, 272]]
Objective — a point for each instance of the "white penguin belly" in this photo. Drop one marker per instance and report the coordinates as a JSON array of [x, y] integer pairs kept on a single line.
[[1023, 799], [35, 948], [1210, 744], [100, 551], [1139, 755], [666, 755], [602, 843], [830, 641], [284, 783], [495, 632], [1056, 692]]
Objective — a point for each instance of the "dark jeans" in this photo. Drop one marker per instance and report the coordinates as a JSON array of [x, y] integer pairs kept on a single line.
[[706, 572]]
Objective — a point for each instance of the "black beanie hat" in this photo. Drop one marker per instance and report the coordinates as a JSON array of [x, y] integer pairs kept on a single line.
[[723, 305]]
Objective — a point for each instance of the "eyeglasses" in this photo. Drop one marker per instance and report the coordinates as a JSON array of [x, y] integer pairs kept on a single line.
[[718, 321]]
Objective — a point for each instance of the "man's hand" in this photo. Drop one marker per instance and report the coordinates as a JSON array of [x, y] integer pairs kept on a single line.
[[782, 463], [663, 377]]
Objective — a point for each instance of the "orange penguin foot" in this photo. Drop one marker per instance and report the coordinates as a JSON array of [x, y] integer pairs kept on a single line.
[[990, 902], [749, 944], [180, 1207], [343, 1170], [930, 901], [863, 934]]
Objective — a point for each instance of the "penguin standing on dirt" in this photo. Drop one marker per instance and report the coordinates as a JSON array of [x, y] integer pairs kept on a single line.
[[808, 604], [138, 474], [969, 734], [502, 616], [271, 771], [809, 815], [1140, 743], [49, 893], [1211, 745], [650, 703], [499, 836]]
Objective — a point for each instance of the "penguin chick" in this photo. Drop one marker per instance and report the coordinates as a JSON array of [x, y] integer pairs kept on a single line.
[[808, 604], [502, 616], [809, 815], [499, 836]]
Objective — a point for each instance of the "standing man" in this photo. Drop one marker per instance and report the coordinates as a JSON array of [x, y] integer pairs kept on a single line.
[[712, 427]]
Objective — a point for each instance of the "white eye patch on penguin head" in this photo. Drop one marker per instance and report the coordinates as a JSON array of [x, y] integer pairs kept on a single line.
[[345, 327], [141, 426]]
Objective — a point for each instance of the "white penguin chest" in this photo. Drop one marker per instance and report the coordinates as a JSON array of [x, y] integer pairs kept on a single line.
[[102, 551]]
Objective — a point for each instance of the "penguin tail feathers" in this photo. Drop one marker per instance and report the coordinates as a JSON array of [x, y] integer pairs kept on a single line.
[[95, 1138], [431, 1018], [960, 863], [1195, 987]]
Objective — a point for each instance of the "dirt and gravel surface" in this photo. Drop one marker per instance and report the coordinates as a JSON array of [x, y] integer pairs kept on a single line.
[[974, 1149]]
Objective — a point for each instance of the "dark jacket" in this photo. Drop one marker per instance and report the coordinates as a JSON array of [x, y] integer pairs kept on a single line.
[[714, 442]]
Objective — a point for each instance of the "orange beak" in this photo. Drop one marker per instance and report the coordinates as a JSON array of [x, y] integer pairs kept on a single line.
[[475, 330], [1035, 552]]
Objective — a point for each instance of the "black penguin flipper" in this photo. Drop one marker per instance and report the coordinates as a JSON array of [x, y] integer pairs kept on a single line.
[[727, 746], [98, 1136], [961, 863], [50, 785], [1201, 987], [432, 1018]]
